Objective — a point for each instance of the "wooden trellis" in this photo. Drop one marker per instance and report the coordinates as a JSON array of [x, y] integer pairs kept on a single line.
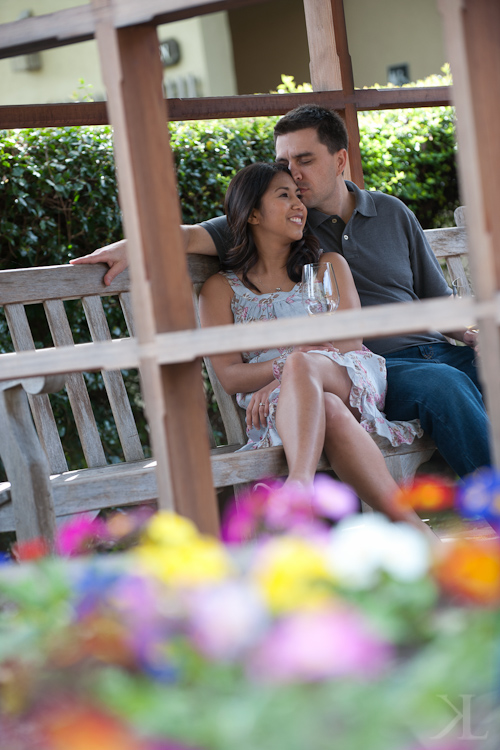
[[167, 346]]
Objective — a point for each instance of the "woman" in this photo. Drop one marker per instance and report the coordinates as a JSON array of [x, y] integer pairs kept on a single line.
[[311, 397]]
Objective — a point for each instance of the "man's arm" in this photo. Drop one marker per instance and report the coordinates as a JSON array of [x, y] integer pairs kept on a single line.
[[195, 239]]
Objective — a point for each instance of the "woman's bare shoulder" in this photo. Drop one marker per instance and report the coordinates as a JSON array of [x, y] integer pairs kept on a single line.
[[216, 284], [337, 260]]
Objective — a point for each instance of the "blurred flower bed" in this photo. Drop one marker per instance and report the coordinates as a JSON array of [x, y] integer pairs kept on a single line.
[[310, 628]]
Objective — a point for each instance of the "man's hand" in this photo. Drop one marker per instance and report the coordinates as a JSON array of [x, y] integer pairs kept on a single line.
[[471, 339], [115, 255], [195, 239]]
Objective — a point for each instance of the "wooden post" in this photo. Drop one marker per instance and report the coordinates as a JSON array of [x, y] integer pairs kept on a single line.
[[161, 290], [472, 30], [331, 69]]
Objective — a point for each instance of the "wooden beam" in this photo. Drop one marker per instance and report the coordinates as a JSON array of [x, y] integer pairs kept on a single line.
[[331, 69], [183, 346], [206, 108], [161, 290], [72, 25], [472, 30]]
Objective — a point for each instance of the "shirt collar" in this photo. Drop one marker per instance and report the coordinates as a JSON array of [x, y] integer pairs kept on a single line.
[[365, 205]]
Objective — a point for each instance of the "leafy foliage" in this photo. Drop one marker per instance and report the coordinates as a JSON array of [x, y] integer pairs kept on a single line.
[[58, 200], [411, 154]]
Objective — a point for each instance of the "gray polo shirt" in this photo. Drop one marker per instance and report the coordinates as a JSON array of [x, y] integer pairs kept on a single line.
[[385, 246]]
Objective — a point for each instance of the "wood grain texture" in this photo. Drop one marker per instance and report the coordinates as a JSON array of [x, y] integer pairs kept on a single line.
[[26, 466], [40, 405], [135, 482], [30, 285], [471, 33], [331, 69], [76, 388], [113, 382], [161, 292], [207, 108]]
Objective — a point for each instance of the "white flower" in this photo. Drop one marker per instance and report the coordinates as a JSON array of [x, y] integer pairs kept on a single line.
[[362, 546]]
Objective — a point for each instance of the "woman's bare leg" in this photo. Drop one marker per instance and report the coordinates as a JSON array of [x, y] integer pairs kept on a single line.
[[300, 416], [313, 414]]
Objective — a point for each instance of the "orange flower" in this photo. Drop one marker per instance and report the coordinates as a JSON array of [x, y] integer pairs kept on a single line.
[[81, 727], [427, 494], [471, 570]]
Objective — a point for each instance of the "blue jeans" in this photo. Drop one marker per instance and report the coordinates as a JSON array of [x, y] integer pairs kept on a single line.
[[438, 384]]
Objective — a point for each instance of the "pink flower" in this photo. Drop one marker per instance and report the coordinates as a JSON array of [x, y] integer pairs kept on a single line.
[[275, 506], [332, 499], [79, 536], [319, 645], [226, 620]]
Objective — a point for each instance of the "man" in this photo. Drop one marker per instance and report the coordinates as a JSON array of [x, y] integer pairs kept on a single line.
[[428, 378]]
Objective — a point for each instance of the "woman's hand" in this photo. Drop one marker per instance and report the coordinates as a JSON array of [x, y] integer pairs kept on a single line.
[[327, 346], [258, 408]]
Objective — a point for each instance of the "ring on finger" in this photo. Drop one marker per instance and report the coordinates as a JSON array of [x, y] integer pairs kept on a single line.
[[262, 403]]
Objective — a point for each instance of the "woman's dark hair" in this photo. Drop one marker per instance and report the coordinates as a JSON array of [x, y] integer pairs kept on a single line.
[[243, 195]]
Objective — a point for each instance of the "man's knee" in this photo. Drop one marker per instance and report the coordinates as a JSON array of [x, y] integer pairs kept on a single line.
[[427, 380]]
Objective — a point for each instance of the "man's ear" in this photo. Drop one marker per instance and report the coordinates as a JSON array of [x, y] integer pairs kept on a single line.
[[341, 160]]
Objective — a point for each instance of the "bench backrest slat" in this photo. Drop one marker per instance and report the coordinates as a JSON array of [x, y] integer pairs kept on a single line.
[[126, 305], [41, 408], [29, 285], [113, 382], [76, 388]]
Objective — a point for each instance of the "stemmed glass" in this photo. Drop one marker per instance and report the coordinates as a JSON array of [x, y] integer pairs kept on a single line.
[[320, 292], [460, 290]]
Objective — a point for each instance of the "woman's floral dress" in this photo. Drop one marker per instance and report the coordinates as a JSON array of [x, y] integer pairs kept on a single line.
[[365, 369]]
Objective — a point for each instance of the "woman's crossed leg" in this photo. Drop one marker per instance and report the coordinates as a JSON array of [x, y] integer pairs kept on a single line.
[[313, 414]]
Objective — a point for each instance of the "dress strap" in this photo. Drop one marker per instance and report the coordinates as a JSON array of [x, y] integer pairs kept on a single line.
[[237, 285]]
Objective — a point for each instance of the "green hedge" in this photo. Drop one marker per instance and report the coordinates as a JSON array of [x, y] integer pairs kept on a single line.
[[58, 200]]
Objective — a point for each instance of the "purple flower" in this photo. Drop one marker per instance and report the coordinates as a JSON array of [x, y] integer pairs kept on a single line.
[[92, 588], [319, 645], [227, 619], [478, 496]]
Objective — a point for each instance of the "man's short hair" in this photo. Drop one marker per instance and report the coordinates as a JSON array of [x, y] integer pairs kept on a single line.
[[329, 125]]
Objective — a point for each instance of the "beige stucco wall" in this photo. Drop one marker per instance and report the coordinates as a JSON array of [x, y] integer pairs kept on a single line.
[[390, 32], [205, 45], [270, 39]]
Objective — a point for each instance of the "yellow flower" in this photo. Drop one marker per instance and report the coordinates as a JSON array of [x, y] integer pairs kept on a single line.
[[197, 561], [169, 530], [292, 574]]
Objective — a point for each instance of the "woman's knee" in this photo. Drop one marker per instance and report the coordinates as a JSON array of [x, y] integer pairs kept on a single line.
[[336, 411], [299, 365]]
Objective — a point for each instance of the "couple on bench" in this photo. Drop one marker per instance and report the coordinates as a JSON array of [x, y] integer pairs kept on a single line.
[[282, 216]]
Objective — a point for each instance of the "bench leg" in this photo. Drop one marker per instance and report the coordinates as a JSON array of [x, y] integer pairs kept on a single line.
[[27, 468]]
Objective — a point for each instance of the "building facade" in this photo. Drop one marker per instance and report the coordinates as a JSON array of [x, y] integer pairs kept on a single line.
[[242, 51]]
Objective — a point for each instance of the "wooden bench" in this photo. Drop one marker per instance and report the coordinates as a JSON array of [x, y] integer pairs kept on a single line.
[[41, 488]]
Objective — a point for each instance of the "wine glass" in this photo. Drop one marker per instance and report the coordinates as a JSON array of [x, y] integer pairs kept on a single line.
[[460, 289], [320, 292]]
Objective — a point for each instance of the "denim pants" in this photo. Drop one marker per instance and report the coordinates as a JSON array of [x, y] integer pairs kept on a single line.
[[438, 384]]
